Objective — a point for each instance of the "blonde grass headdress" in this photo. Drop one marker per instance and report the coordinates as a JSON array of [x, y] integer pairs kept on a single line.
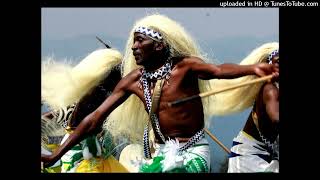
[[242, 98], [63, 85]]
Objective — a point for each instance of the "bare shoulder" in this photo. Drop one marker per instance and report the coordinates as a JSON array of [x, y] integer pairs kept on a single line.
[[130, 78], [134, 74], [190, 60], [270, 90]]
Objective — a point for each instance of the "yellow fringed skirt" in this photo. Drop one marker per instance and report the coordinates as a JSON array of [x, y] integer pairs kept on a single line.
[[100, 165]]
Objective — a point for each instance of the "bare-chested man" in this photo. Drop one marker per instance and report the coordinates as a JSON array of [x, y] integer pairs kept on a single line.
[[163, 50], [256, 148]]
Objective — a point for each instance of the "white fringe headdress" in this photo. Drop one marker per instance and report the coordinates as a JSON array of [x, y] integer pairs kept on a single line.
[[63, 85]]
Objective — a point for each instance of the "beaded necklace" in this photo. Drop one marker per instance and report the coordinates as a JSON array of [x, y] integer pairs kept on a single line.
[[161, 73]]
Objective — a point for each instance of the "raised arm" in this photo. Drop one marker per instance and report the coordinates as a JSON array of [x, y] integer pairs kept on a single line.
[[91, 122], [228, 71]]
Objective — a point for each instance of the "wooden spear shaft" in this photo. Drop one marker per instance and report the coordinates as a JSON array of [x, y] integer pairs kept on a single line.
[[217, 141], [209, 93]]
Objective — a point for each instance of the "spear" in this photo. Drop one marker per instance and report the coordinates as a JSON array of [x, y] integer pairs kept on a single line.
[[205, 94], [107, 46], [217, 141], [209, 93]]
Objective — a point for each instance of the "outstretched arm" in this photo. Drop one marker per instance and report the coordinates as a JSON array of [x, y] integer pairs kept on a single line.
[[229, 71], [90, 123]]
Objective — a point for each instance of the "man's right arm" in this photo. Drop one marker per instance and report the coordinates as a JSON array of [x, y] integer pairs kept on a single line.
[[90, 122]]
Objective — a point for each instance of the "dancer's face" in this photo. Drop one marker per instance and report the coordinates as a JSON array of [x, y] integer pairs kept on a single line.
[[143, 48], [275, 60]]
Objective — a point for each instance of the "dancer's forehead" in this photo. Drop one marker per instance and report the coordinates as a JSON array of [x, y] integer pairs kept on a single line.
[[273, 57], [156, 36]]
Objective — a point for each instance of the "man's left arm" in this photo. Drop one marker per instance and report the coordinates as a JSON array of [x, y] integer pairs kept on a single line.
[[228, 70], [271, 101]]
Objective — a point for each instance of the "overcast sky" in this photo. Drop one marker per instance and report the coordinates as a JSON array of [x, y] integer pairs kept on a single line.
[[202, 23]]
